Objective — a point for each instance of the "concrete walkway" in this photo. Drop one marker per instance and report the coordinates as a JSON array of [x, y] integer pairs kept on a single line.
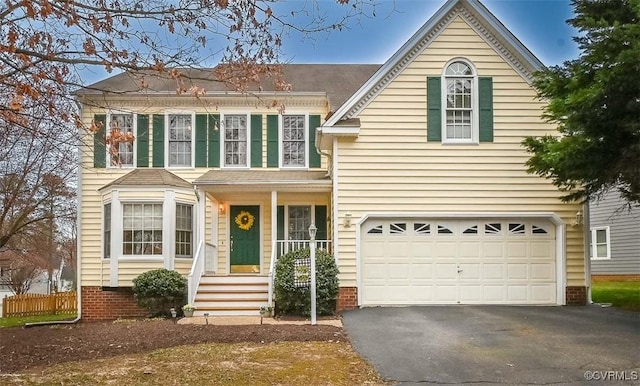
[[245, 320]]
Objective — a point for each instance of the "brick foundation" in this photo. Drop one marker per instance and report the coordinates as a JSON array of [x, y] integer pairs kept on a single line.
[[347, 298], [634, 277], [109, 304], [576, 296]]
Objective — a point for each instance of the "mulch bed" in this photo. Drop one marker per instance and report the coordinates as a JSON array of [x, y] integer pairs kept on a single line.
[[23, 348]]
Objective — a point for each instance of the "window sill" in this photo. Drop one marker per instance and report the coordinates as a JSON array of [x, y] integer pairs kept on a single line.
[[141, 258], [450, 143], [600, 258]]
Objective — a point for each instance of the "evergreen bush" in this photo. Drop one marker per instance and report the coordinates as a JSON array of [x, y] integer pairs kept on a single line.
[[159, 290], [292, 299]]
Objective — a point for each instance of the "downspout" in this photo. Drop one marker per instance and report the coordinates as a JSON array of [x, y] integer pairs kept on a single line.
[[586, 234], [78, 243]]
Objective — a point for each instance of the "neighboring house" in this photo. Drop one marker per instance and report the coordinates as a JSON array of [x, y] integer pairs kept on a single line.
[[413, 172], [614, 245]]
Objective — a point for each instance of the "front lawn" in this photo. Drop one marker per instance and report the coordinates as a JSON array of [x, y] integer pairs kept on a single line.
[[622, 294], [17, 321], [279, 363]]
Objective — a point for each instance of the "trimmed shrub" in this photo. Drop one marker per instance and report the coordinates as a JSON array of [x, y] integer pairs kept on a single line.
[[159, 290], [295, 300]]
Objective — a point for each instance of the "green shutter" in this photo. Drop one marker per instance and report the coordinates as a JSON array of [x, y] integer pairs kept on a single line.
[[280, 231], [201, 140], [314, 157], [158, 141], [321, 222], [434, 105], [214, 140], [256, 141], [485, 101], [99, 147], [142, 141], [272, 141]]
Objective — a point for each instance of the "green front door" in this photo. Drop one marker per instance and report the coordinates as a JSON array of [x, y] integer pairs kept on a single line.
[[244, 238]]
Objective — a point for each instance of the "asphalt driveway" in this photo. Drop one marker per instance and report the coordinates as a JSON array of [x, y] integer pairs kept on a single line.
[[498, 344]]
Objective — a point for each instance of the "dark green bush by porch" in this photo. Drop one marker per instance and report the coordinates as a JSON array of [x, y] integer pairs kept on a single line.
[[297, 300], [159, 290]]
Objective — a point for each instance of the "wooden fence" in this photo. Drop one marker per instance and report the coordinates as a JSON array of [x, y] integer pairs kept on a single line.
[[39, 304]]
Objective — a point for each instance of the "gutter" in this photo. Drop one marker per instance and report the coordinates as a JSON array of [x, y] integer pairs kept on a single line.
[[78, 246], [586, 235]]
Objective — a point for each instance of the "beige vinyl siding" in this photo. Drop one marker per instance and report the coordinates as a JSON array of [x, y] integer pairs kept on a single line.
[[392, 168]]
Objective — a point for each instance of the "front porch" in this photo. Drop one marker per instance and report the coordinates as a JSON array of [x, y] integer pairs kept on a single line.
[[241, 230]]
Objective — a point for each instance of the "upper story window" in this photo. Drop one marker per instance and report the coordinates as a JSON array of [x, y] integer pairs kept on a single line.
[[294, 141], [600, 246], [180, 140], [235, 140], [121, 128], [460, 103]]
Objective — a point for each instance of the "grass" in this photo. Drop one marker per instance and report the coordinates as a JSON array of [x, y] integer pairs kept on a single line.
[[283, 363], [622, 294], [17, 321]]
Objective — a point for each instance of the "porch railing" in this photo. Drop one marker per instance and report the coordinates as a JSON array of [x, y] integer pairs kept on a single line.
[[281, 247], [197, 269]]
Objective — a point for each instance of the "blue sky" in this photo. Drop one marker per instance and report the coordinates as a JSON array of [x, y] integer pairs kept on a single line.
[[539, 24]]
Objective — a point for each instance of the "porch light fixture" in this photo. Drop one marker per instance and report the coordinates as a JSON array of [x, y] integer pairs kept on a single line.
[[579, 218], [312, 246], [221, 208], [347, 220]]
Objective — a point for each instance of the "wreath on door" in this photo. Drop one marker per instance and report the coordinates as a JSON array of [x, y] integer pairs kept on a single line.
[[245, 220]]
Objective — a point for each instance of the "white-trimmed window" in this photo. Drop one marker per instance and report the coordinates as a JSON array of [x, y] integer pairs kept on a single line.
[[106, 253], [299, 217], [235, 140], [124, 124], [294, 141], [180, 140], [141, 229], [600, 245], [460, 103], [184, 230]]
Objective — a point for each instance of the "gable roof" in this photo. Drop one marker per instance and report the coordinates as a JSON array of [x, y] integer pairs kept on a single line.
[[479, 18], [149, 177], [337, 81]]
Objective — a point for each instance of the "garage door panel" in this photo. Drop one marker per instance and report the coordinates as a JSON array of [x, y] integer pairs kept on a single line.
[[374, 271], [469, 250], [542, 249], [493, 249], [469, 272], [447, 271], [517, 271], [470, 294], [494, 293], [422, 271], [517, 293], [542, 271], [494, 271], [543, 293], [398, 271], [418, 262], [517, 249], [447, 293]]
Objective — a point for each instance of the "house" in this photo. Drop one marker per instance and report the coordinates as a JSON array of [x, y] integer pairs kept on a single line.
[[412, 171], [614, 243]]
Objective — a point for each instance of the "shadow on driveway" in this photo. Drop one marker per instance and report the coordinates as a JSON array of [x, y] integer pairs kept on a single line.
[[498, 344]]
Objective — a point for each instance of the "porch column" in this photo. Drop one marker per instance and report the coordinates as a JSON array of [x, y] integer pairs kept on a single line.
[[116, 239], [211, 262], [168, 227], [200, 222], [274, 221]]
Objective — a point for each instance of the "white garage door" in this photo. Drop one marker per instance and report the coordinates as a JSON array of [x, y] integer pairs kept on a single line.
[[441, 261]]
